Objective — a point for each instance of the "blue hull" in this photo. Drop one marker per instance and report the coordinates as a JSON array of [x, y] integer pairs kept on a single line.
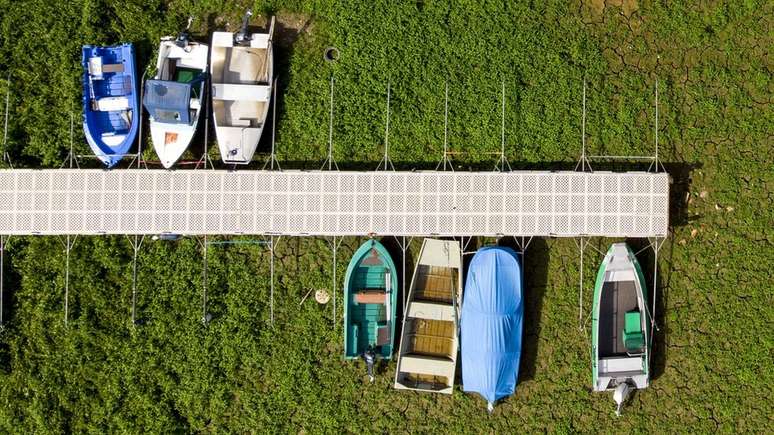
[[110, 105], [491, 324]]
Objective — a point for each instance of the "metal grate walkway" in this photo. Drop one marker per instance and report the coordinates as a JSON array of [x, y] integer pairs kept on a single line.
[[327, 203]]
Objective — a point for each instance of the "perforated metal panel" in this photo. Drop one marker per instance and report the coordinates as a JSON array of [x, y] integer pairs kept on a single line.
[[633, 204]]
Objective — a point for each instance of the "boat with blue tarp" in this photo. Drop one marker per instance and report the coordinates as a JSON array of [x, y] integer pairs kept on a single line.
[[491, 324]]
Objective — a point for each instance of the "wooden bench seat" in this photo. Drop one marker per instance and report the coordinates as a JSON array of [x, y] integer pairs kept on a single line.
[[426, 365], [370, 297]]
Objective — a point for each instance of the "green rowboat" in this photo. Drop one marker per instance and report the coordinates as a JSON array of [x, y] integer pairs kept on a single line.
[[620, 326], [370, 292]]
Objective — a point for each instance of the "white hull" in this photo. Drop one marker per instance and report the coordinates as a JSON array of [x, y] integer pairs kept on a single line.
[[171, 140], [241, 92], [427, 358], [619, 294]]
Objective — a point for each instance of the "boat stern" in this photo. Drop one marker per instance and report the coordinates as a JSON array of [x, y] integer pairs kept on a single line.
[[614, 371]]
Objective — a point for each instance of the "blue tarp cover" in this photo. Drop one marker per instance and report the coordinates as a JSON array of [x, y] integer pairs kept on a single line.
[[491, 323]]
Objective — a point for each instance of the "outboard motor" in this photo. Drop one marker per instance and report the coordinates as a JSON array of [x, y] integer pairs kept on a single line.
[[242, 37], [370, 359], [620, 394], [184, 36]]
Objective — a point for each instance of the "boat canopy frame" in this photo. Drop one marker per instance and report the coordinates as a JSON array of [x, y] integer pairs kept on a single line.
[[169, 102]]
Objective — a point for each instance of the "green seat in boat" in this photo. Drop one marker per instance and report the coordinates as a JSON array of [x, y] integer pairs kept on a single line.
[[185, 75], [634, 338]]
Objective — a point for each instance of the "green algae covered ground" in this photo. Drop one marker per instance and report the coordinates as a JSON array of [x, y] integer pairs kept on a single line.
[[241, 373]]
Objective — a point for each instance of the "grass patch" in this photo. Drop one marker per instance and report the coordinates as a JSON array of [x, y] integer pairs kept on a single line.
[[240, 373]]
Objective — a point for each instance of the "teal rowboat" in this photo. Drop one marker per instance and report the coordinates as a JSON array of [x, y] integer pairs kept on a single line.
[[370, 292], [620, 325]]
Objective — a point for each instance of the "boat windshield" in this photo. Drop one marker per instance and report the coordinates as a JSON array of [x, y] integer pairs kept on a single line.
[[171, 102]]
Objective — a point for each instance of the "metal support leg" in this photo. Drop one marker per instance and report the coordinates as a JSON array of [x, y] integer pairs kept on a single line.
[[404, 247], [386, 159], [136, 249], [271, 284], [2, 277], [139, 134], [335, 243], [204, 284], [330, 162], [67, 280], [580, 287], [656, 164], [273, 158], [503, 162], [583, 162], [6, 156], [656, 244], [445, 159], [334, 287], [69, 243], [464, 245], [206, 155]]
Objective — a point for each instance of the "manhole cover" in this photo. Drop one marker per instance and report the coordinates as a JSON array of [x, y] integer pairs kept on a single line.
[[331, 54]]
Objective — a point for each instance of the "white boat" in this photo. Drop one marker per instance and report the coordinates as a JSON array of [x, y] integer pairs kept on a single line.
[[620, 327], [242, 74], [427, 359], [175, 97]]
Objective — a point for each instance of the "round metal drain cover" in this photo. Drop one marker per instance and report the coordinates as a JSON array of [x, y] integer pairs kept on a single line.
[[331, 54]]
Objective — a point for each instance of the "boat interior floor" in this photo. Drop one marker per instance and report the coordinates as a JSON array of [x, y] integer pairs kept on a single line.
[[240, 65], [435, 284], [239, 113], [430, 338], [617, 299], [426, 382]]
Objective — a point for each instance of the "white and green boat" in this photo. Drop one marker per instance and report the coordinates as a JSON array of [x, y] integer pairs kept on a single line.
[[620, 327]]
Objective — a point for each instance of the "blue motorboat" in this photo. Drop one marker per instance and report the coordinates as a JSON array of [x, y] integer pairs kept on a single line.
[[491, 324], [110, 104]]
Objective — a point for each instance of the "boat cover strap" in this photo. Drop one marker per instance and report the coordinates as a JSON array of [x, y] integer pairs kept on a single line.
[[234, 92]]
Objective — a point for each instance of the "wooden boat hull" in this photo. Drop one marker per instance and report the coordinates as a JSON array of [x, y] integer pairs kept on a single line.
[[110, 103], [620, 322], [370, 295], [429, 345]]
